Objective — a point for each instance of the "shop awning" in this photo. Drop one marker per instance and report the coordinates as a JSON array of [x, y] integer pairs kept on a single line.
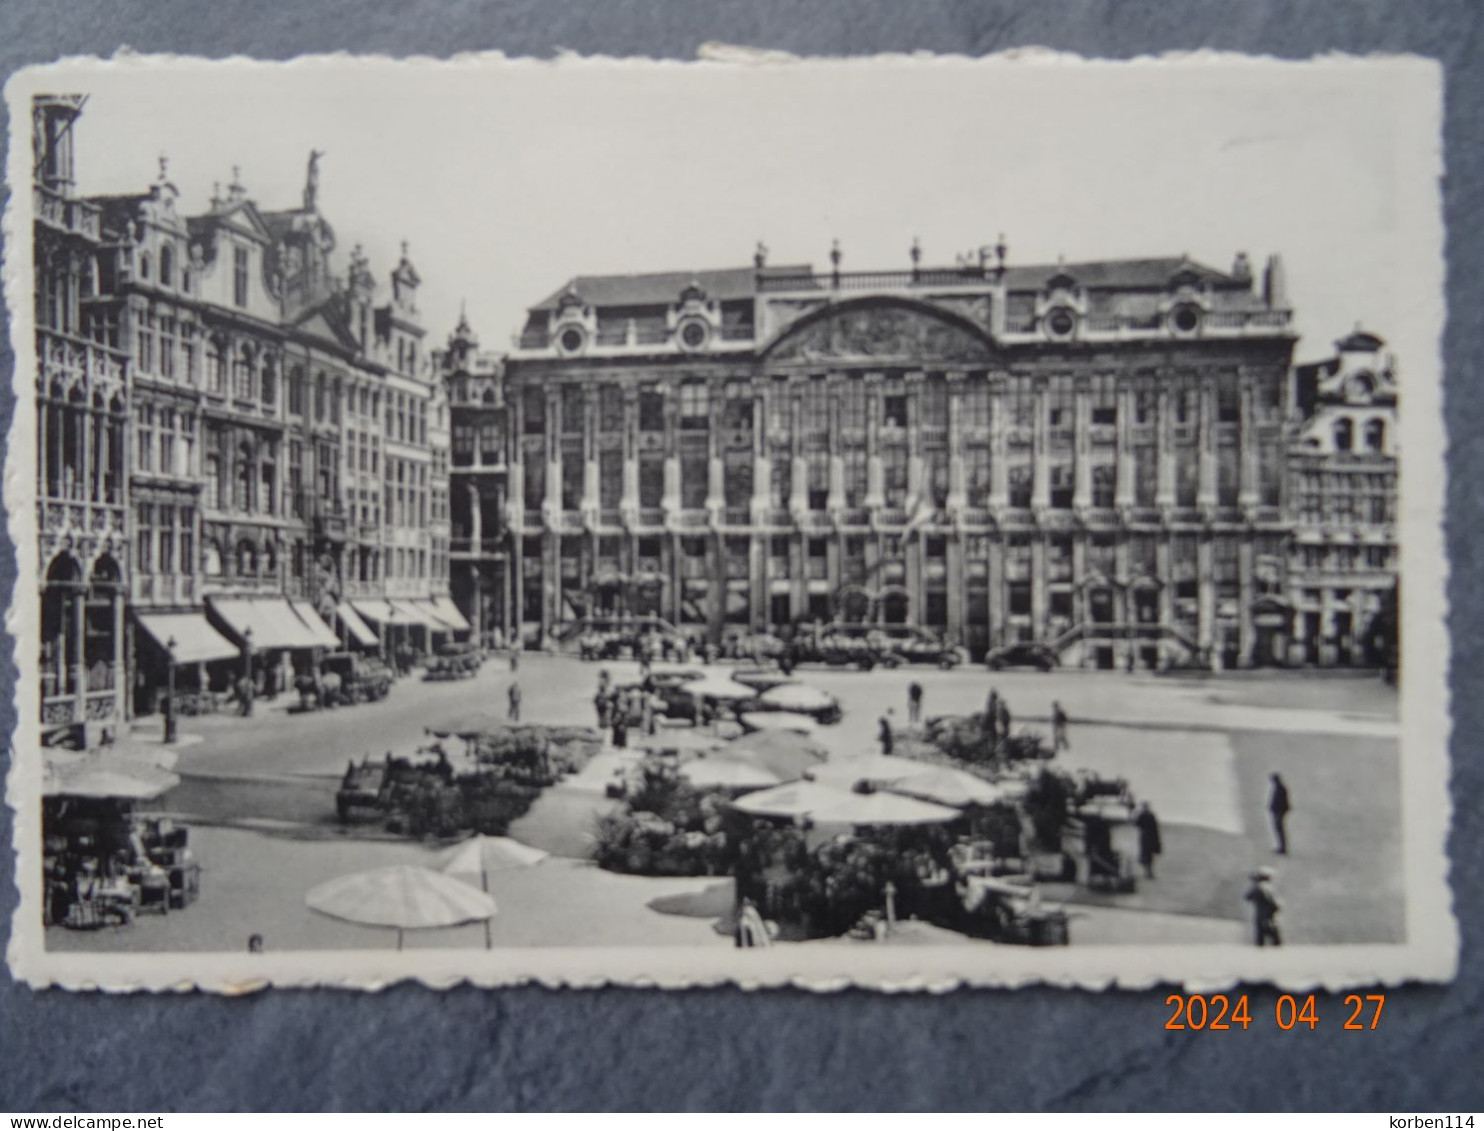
[[447, 612], [355, 626], [273, 623], [324, 636], [195, 641], [421, 614], [384, 612]]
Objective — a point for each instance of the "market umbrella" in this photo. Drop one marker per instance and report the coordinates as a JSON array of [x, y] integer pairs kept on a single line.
[[877, 769], [468, 724], [949, 786], [785, 754], [402, 896], [716, 773], [779, 720], [883, 809], [478, 856], [797, 697], [796, 799], [680, 741], [106, 776], [719, 687]]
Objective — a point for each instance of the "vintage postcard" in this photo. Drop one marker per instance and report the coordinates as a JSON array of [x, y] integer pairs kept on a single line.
[[895, 522]]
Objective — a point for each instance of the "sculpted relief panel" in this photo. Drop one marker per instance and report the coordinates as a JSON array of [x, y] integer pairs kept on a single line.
[[882, 332]]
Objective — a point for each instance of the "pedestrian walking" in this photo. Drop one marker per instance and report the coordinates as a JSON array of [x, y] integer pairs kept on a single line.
[[1059, 740], [914, 702], [992, 716], [1265, 907], [646, 712], [245, 692], [1150, 844], [600, 705], [620, 727], [514, 658], [1279, 805], [1003, 722], [884, 733], [514, 696]]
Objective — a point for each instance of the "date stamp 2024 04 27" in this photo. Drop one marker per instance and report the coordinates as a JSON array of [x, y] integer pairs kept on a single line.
[[660, 538]]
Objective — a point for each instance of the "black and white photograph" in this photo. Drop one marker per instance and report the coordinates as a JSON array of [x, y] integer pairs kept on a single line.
[[895, 522]]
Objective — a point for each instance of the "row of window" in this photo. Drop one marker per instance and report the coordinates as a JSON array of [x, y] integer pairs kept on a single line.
[[1346, 559], [739, 472], [819, 396]]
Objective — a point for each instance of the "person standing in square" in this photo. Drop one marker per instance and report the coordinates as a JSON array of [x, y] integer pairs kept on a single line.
[[1279, 805]]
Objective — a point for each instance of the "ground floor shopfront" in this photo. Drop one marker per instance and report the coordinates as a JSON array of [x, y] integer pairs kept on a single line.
[[1107, 596]]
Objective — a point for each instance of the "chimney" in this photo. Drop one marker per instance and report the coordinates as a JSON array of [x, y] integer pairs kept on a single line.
[[1275, 284]]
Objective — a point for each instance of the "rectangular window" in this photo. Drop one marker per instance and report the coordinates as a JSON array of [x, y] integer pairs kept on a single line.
[[894, 474], [694, 470], [855, 477], [145, 538], [651, 481], [1021, 485], [1104, 400], [935, 402], [1104, 484], [780, 409], [816, 406], [976, 404], [819, 480], [610, 478], [610, 409], [853, 404], [239, 276], [144, 435], [533, 412], [695, 404], [574, 409], [573, 474], [739, 406], [977, 475], [651, 410], [737, 480], [781, 491]]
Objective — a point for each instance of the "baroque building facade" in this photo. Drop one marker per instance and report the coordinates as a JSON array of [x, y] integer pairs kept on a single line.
[[1088, 456], [236, 442], [1343, 476]]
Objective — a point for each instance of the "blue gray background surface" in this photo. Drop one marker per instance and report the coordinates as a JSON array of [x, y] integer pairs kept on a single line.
[[415, 1049]]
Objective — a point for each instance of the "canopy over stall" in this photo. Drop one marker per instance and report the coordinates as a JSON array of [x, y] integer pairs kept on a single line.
[[446, 613], [385, 612], [272, 622], [187, 637], [324, 636], [357, 629]]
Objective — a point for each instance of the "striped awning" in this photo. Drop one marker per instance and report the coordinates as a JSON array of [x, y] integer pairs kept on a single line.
[[384, 612], [324, 636], [187, 637], [271, 621], [351, 621], [447, 613]]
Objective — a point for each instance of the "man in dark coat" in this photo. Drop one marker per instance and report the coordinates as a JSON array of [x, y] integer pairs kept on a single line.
[[884, 733], [914, 701], [1265, 908], [1059, 741], [1150, 844], [1278, 806], [1003, 722], [992, 716]]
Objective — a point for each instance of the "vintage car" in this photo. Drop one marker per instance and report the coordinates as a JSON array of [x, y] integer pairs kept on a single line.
[[839, 649], [667, 683], [362, 679], [454, 661], [1021, 656], [755, 646]]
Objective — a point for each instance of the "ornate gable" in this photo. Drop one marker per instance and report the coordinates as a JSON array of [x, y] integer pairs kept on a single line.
[[881, 331]]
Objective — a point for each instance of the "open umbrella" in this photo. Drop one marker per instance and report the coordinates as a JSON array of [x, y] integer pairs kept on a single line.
[[785, 754], [478, 856], [948, 786], [876, 769], [716, 773], [680, 741], [98, 775], [796, 799], [797, 697], [719, 687], [402, 896], [883, 809], [779, 720], [467, 724]]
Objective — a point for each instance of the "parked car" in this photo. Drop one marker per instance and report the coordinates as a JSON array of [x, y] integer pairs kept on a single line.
[[454, 661], [838, 649], [1022, 656], [667, 684], [363, 679]]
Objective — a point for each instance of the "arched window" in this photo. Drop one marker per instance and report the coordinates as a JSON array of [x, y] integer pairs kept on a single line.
[[242, 374], [144, 265], [211, 558], [1375, 435], [1344, 436], [270, 559], [167, 266], [185, 279]]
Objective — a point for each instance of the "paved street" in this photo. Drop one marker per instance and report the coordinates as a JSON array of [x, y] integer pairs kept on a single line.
[[260, 796]]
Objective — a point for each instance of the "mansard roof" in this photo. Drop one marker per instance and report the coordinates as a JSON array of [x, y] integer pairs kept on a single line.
[[663, 288]]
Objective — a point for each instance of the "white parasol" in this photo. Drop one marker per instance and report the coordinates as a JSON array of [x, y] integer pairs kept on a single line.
[[402, 896]]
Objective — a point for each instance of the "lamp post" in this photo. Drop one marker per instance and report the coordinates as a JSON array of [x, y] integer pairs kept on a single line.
[[247, 683], [170, 691]]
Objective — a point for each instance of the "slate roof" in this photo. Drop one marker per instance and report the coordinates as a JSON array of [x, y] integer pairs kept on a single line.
[[663, 288]]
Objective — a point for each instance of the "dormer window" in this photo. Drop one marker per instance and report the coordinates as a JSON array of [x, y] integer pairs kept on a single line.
[[239, 276], [693, 334], [571, 340], [1344, 436]]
